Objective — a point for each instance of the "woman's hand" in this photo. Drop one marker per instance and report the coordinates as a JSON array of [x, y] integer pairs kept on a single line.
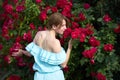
[[18, 53], [70, 44]]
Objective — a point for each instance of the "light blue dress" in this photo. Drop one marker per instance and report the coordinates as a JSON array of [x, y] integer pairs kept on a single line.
[[47, 64]]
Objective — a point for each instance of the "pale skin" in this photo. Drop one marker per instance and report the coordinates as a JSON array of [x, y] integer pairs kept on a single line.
[[48, 41]]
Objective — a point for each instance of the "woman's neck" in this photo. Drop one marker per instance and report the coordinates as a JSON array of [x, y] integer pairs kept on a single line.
[[52, 33]]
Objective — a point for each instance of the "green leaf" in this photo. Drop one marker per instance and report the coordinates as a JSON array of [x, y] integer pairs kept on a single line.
[[83, 61], [99, 19]]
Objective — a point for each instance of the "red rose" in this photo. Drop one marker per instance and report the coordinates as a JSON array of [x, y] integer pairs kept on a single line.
[[89, 53], [5, 30], [88, 31], [15, 1], [43, 16], [66, 69], [14, 77], [82, 37], [108, 47], [92, 61], [62, 41], [20, 61], [20, 8], [1, 46], [8, 8], [8, 59], [27, 36], [40, 28], [67, 33], [117, 29], [76, 33], [75, 25], [100, 76], [54, 9], [86, 6], [31, 66], [66, 11], [94, 42], [15, 47], [15, 15], [38, 1], [93, 74], [76, 19], [82, 16], [32, 26], [61, 3], [18, 39], [106, 18]]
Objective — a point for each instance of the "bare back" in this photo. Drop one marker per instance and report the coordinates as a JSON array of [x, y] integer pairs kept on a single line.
[[47, 42]]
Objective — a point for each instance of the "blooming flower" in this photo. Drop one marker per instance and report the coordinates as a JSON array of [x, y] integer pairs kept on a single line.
[[20, 8], [89, 29], [15, 47], [67, 33], [14, 77], [108, 47], [15, 15], [75, 25], [61, 3], [89, 53], [31, 66], [94, 42], [82, 37], [40, 28], [54, 9], [43, 16], [86, 6], [66, 11], [8, 8], [8, 59], [32, 26], [27, 36], [66, 69], [15, 1], [100, 76], [76, 19], [38, 1], [5, 32], [117, 29], [76, 33], [106, 18], [62, 41], [1, 46], [82, 16], [20, 61], [18, 39], [92, 61]]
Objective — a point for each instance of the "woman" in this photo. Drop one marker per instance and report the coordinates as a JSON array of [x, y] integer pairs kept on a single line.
[[48, 54]]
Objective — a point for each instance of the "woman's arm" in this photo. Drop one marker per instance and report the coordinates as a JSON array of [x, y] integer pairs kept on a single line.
[[67, 53], [21, 52]]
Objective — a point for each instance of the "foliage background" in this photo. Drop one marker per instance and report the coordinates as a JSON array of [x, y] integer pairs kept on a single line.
[[79, 67]]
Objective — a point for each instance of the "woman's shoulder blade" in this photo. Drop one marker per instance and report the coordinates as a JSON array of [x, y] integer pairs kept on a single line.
[[56, 46]]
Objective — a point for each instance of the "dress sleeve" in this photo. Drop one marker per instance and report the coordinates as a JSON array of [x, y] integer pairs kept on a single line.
[[46, 56], [32, 49]]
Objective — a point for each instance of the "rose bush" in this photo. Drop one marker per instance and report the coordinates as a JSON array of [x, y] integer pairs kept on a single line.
[[93, 56]]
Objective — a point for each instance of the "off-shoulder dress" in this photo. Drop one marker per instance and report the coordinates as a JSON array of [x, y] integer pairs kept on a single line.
[[47, 64]]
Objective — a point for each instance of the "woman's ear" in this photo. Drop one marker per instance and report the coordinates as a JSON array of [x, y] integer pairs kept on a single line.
[[53, 26]]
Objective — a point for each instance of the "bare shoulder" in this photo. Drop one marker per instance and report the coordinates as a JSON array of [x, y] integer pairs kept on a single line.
[[40, 32], [38, 35], [56, 46]]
